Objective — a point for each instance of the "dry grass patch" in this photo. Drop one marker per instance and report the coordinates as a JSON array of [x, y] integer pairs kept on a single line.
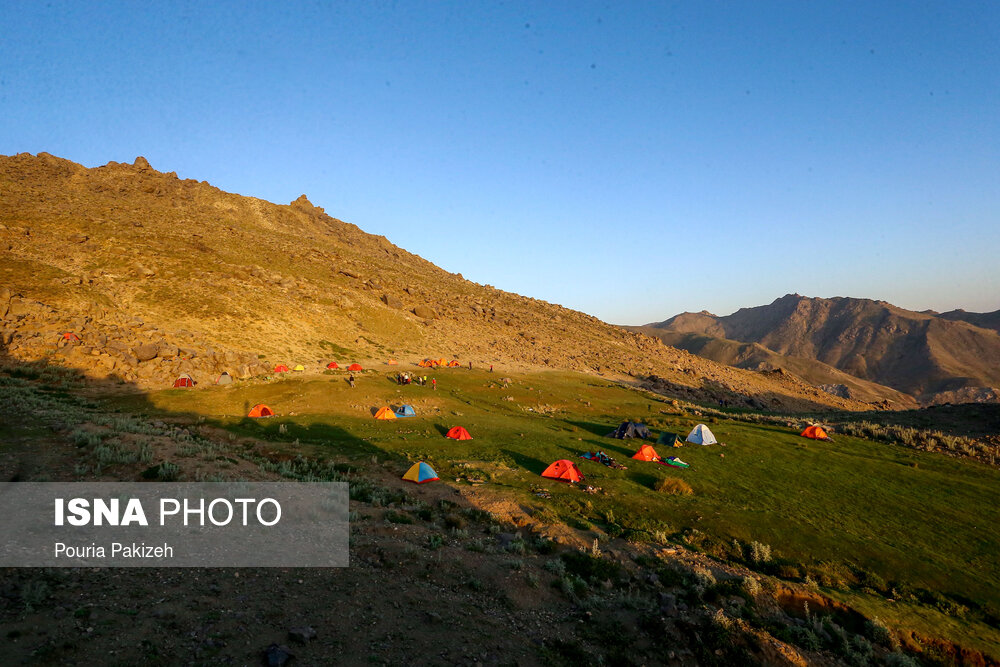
[[673, 486]]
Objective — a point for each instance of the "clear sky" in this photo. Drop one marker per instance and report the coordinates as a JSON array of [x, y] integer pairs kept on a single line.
[[628, 159]]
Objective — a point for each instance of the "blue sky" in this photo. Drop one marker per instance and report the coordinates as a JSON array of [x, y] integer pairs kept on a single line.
[[631, 160]]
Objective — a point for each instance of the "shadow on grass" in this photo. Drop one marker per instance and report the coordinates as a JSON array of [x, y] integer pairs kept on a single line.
[[593, 427], [529, 463], [442, 429]]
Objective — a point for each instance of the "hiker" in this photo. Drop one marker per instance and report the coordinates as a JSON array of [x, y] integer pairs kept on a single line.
[[491, 368], [434, 383], [425, 381], [470, 365], [350, 380]]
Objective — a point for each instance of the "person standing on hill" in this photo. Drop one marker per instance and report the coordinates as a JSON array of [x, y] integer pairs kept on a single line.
[[470, 365], [350, 380], [434, 383], [491, 368]]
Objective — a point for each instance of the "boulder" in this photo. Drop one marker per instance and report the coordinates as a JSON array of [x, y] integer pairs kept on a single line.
[[425, 312], [392, 301], [146, 351]]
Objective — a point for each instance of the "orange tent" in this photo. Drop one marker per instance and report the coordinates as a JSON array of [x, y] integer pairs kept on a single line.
[[458, 433], [71, 336], [392, 362], [814, 432], [385, 413], [332, 364], [564, 471], [442, 361], [646, 453], [261, 410], [454, 363], [281, 368], [355, 367]]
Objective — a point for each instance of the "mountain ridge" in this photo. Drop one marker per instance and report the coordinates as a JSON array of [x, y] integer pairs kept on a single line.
[[933, 358]]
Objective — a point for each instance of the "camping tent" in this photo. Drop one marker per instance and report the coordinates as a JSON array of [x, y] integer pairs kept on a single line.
[[701, 435], [406, 411], [299, 368], [392, 362], [458, 433], [184, 380], [225, 378], [261, 410], [442, 361], [385, 413], [71, 336], [815, 432], [646, 453], [332, 365], [454, 363], [355, 367], [669, 440], [281, 368], [564, 471], [420, 473], [630, 430]]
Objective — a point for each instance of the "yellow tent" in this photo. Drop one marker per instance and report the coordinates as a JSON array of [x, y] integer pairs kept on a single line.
[[299, 368], [385, 413]]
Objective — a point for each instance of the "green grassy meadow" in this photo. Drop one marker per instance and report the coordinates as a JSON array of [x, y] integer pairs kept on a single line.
[[865, 520]]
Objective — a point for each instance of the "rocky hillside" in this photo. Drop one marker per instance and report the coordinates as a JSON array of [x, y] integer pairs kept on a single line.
[[158, 275], [934, 358]]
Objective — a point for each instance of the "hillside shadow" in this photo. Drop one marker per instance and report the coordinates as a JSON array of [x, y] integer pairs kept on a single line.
[[594, 428], [529, 463], [442, 429]]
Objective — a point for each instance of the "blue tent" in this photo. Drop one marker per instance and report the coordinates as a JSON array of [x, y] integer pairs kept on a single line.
[[406, 411], [420, 473]]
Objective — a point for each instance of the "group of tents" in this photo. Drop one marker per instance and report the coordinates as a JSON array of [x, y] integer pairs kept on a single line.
[[435, 363], [699, 435], [386, 412], [185, 380]]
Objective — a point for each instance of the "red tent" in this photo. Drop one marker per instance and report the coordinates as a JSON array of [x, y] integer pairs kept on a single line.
[[184, 381], [646, 453], [281, 368], [332, 364], [355, 367], [564, 471], [814, 432], [71, 336], [261, 410], [458, 433]]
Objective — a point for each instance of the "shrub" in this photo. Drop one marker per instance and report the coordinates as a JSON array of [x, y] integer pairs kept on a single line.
[[556, 566], [759, 553], [673, 486], [751, 586]]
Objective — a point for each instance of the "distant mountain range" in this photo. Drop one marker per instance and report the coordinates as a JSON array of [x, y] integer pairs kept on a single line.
[[869, 349]]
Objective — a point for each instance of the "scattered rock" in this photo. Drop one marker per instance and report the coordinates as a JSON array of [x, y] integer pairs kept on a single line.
[[302, 634], [78, 238], [392, 301], [277, 655]]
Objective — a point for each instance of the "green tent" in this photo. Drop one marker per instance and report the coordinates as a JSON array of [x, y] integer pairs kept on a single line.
[[670, 440]]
